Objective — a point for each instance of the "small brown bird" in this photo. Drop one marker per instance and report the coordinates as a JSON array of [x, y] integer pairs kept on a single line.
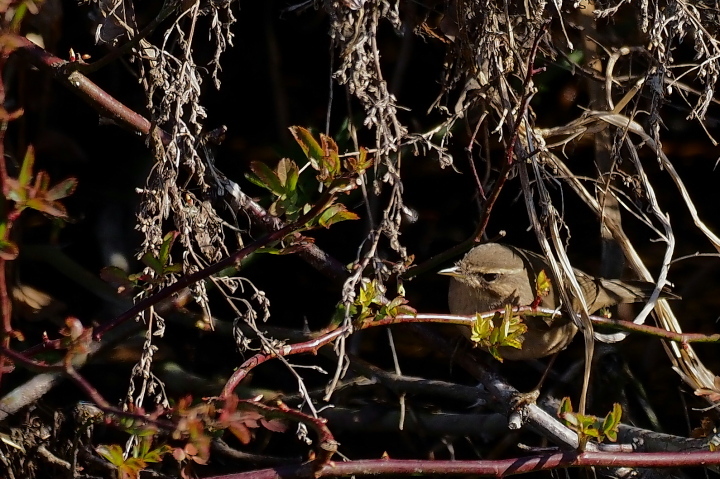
[[492, 275]]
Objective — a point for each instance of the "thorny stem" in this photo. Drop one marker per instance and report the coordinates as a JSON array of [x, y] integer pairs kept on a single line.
[[104, 103], [310, 346], [490, 468]]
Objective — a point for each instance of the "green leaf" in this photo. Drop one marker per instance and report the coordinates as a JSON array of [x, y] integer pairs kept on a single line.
[[142, 447], [62, 190], [513, 327], [27, 167], [367, 292], [399, 305], [576, 56], [334, 214], [501, 330], [481, 329], [173, 268], [543, 284], [157, 454], [363, 162], [407, 309], [565, 406], [53, 209], [112, 453], [586, 421], [288, 173], [330, 158], [153, 263], [290, 206], [312, 149], [269, 250], [135, 277], [339, 315], [277, 208], [371, 292], [116, 276], [268, 178], [611, 423], [252, 178], [166, 246], [588, 426]]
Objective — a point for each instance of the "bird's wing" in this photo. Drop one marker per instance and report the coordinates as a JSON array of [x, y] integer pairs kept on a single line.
[[601, 293]]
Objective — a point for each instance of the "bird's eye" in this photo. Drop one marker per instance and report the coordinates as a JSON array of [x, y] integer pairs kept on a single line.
[[490, 277]]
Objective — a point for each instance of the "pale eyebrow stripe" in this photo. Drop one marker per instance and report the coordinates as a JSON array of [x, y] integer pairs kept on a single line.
[[495, 270]]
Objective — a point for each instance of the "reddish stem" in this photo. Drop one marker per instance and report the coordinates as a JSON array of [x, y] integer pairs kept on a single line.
[[310, 346], [489, 468]]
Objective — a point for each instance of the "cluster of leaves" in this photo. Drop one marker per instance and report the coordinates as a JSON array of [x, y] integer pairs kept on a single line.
[[588, 426], [333, 172], [371, 304], [37, 194], [161, 265], [146, 449], [196, 426], [282, 182], [502, 329], [141, 455], [506, 329], [29, 191]]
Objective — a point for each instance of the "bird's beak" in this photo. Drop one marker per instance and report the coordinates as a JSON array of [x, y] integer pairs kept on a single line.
[[449, 271]]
